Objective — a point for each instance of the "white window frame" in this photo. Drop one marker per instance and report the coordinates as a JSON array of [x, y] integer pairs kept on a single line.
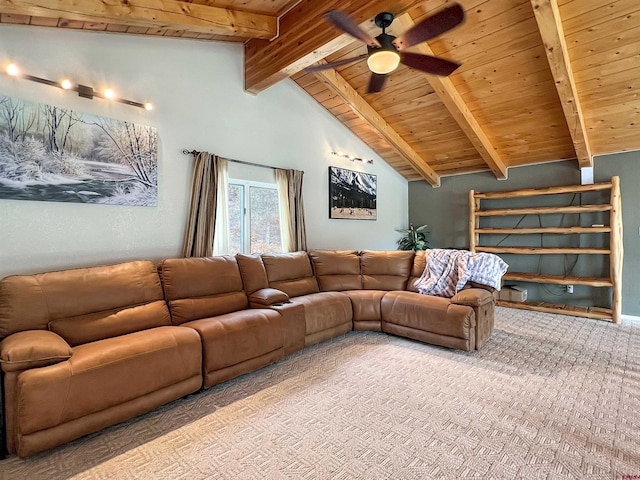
[[245, 225]]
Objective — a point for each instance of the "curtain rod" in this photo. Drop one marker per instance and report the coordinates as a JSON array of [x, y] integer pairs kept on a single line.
[[195, 152]]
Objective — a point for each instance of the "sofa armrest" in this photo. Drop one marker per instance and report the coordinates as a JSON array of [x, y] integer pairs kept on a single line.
[[483, 304], [294, 325], [472, 297], [471, 284], [32, 349], [266, 297]]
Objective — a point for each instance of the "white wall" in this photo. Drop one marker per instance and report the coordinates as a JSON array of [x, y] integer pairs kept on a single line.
[[200, 104]]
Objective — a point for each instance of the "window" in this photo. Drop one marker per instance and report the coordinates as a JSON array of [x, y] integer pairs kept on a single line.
[[254, 218]]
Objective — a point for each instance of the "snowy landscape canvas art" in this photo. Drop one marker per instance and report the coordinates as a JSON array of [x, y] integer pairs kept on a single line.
[[55, 154], [352, 195]]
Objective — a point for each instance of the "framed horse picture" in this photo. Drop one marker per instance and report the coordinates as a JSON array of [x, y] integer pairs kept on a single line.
[[352, 195]]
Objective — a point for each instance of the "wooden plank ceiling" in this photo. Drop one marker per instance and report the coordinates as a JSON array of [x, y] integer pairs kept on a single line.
[[540, 81]]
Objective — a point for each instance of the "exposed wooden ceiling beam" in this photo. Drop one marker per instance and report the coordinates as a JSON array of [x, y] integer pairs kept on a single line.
[[334, 81], [550, 25], [448, 94], [175, 15], [306, 37]]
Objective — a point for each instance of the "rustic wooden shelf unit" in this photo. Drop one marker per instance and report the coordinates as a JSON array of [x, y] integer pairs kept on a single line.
[[614, 250]]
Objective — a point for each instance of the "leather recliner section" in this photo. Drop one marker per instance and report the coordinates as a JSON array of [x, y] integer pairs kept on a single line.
[[206, 294], [238, 342], [102, 376], [256, 284], [326, 314], [435, 321], [126, 358]]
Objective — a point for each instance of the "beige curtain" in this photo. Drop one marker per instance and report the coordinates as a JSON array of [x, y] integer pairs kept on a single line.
[[286, 232], [292, 225], [198, 241], [221, 236]]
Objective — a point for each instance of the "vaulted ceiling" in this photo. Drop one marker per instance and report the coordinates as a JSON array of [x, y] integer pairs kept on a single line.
[[540, 81]]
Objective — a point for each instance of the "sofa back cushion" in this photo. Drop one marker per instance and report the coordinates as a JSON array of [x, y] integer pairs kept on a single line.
[[419, 264], [84, 304], [254, 276], [202, 287], [98, 326], [337, 270], [385, 270], [290, 272]]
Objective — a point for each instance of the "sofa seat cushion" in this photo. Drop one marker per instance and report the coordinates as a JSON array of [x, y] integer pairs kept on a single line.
[[425, 312], [366, 309], [325, 310], [32, 349], [105, 374], [235, 337]]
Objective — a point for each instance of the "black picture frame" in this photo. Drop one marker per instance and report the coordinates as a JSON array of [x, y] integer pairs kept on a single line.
[[352, 195]]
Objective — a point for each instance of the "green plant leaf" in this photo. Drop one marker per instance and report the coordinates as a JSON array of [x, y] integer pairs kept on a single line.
[[413, 239]]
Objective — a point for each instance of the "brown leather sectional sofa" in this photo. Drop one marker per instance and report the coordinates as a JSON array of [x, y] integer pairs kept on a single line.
[[87, 348]]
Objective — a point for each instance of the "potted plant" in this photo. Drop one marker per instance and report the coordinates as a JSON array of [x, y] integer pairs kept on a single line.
[[413, 238]]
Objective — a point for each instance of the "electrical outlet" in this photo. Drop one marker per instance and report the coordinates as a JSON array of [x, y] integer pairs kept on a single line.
[[569, 288]]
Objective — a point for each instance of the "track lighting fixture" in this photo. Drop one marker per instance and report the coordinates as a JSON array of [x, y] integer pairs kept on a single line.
[[83, 91], [352, 158]]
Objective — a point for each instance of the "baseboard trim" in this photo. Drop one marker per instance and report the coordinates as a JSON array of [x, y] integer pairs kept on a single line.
[[630, 317]]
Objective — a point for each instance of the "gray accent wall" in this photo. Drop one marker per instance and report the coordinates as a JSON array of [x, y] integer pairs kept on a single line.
[[446, 211]]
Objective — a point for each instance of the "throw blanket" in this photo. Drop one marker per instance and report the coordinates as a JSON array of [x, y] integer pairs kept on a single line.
[[447, 271]]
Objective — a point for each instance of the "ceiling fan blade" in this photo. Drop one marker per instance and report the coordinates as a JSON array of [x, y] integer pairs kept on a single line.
[[431, 27], [429, 64], [341, 20], [376, 82], [337, 63]]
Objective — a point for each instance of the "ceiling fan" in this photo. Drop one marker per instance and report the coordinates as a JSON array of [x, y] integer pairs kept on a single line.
[[385, 52]]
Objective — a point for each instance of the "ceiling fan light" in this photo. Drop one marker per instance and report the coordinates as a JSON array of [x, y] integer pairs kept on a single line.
[[383, 61]]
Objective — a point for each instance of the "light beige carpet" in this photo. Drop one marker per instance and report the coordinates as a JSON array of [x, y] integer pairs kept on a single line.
[[548, 397]]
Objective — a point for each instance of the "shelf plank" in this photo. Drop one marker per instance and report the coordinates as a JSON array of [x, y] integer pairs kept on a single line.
[[573, 310], [545, 250], [530, 192], [543, 230], [557, 279], [544, 210]]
